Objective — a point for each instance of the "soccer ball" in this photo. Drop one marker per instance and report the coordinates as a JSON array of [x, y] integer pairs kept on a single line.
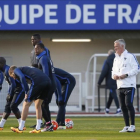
[[55, 125], [69, 123]]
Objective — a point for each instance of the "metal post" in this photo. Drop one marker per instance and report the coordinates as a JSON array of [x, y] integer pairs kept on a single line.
[[80, 92], [105, 96], [94, 81], [138, 86], [98, 98]]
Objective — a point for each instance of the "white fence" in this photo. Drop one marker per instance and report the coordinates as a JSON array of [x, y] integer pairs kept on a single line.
[[91, 82]]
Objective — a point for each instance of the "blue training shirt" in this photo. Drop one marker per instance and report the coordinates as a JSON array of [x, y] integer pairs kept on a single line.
[[10, 80], [31, 75]]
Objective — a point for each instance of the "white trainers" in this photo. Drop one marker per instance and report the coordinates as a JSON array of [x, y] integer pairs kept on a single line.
[[131, 129], [106, 111], [118, 111], [125, 129], [61, 127]]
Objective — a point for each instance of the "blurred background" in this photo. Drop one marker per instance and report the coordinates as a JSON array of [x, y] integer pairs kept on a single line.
[[99, 22]]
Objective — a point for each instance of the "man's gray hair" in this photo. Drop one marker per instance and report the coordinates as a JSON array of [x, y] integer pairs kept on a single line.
[[121, 42]]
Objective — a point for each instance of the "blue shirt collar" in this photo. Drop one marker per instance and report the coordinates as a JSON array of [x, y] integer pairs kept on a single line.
[[40, 55]]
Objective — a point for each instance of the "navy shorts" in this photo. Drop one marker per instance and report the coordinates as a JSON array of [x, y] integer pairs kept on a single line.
[[40, 91]]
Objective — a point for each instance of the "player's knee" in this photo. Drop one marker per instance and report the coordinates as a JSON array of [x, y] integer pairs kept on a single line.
[[8, 111], [129, 106], [47, 101], [45, 105], [38, 106], [123, 107], [14, 108]]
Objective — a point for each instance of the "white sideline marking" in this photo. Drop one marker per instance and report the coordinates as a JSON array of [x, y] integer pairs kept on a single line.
[[83, 115]]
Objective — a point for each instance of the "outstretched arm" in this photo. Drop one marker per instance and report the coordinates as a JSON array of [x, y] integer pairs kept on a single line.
[[19, 73]]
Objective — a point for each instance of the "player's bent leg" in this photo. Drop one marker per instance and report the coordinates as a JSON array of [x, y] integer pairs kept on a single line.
[[3, 120], [25, 110], [5, 115], [38, 104], [18, 116]]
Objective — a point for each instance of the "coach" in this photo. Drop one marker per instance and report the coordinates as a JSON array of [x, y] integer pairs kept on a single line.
[[125, 68]]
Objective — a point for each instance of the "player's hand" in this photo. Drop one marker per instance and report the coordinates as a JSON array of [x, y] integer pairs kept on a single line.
[[122, 76], [116, 77], [9, 98]]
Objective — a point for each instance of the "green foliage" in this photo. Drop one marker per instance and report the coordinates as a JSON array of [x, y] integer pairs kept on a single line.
[[85, 128]]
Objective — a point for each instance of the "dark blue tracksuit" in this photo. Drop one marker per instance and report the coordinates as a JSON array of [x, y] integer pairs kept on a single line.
[[110, 83], [67, 84], [45, 64], [40, 82], [16, 92]]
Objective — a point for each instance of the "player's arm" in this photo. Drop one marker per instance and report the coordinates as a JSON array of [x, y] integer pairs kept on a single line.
[[103, 72], [22, 79], [44, 63], [1, 79], [12, 86]]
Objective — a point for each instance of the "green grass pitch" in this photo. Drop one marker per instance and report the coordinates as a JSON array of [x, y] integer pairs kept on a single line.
[[85, 128]]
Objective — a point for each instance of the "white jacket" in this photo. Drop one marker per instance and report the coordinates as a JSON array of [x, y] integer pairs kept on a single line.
[[125, 64]]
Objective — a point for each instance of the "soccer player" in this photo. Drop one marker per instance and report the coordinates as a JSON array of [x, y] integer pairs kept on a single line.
[[58, 72], [46, 65], [67, 85], [39, 89], [14, 97]]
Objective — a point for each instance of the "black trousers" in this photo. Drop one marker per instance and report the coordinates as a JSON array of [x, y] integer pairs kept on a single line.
[[45, 108], [13, 104], [46, 114], [112, 95], [126, 96], [67, 85]]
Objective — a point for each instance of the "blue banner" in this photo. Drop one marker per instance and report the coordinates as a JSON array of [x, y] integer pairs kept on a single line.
[[70, 15]]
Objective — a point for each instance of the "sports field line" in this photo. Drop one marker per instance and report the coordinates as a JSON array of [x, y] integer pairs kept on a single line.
[[84, 115]]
